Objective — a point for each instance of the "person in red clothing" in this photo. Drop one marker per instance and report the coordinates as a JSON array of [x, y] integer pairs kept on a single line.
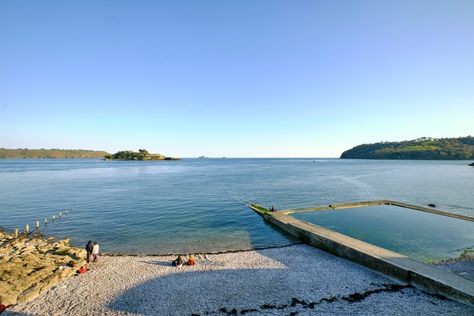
[[191, 261], [82, 270]]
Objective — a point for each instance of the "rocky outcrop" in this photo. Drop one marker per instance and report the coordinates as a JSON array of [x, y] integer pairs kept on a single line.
[[31, 265], [471, 164]]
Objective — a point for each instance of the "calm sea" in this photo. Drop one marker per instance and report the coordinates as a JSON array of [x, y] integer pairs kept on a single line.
[[193, 205]]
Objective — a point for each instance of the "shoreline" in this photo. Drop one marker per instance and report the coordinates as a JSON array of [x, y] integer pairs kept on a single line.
[[39, 274], [108, 254], [297, 279]]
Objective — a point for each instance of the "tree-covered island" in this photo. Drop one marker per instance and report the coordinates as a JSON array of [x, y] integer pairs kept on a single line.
[[461, 148], [142, 154]]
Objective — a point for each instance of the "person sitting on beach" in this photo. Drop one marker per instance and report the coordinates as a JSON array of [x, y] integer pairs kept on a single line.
[[95, 251], [82, 270], [178, 262], [89, 251], [191, 261]]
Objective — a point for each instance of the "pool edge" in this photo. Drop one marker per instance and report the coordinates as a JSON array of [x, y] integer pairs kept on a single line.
[[395, 265]]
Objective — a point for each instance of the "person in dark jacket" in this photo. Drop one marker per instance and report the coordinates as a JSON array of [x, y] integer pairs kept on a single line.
[[178, 262], [89, 248]]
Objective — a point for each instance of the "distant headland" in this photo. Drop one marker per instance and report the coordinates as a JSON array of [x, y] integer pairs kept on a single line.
[[25, 153], [142, 154], [461, 148]]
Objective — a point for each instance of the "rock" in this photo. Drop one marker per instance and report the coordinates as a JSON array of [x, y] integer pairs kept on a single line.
[[27, 249], [16, 260], [66, 272], [79, 253], [30, 293], [468, 254], [20, 285], [9, 298], [62, 251], [39, 276], [49, 283], [5, 288], [471, 164], [432, 205], [30, 266], [6, 258]]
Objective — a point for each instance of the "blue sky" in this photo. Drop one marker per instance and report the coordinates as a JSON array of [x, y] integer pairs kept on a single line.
[[234, 78]]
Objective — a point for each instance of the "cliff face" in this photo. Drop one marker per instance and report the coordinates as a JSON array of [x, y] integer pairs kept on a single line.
[[461, 148]]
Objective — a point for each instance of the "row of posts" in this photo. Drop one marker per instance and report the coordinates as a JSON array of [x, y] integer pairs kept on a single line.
[[27, 227]]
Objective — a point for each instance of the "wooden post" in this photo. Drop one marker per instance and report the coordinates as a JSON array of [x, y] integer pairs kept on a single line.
[[27, 228], [16, 232], [46, 221], [54, 217], [37, 224], [60, 214]]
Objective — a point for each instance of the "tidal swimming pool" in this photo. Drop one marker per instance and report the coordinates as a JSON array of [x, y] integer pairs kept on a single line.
[[420, 235]]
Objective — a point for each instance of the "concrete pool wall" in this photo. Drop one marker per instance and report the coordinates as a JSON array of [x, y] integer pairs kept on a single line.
[[378, 202], [429, 278]]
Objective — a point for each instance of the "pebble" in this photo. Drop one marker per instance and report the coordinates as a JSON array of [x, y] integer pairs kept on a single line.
[[295, 279]]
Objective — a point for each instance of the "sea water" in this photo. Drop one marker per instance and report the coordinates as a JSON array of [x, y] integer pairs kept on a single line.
[[193, 205]]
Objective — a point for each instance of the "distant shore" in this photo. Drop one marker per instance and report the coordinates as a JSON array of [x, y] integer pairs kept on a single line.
[[24, 153], [424, 148]]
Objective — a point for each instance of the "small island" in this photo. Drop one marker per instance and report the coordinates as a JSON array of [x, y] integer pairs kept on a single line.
[[461, 148], [142, 154]]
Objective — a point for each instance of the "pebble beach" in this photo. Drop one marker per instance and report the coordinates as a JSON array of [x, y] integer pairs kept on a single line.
[[292, 280]]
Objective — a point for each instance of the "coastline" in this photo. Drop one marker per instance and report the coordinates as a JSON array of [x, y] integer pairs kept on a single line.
[[108, 254], [293, 279]]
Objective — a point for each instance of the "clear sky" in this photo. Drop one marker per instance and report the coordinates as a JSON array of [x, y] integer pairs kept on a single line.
[[240, 78]]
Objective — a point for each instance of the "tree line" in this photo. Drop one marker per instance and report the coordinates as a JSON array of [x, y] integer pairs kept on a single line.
[[461, 148]]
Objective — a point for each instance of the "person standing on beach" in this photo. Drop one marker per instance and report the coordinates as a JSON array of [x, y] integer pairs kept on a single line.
[[95, 251], [89, 251]]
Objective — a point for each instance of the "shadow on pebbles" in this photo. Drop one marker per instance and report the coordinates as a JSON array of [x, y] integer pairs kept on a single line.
[[293, 280]]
